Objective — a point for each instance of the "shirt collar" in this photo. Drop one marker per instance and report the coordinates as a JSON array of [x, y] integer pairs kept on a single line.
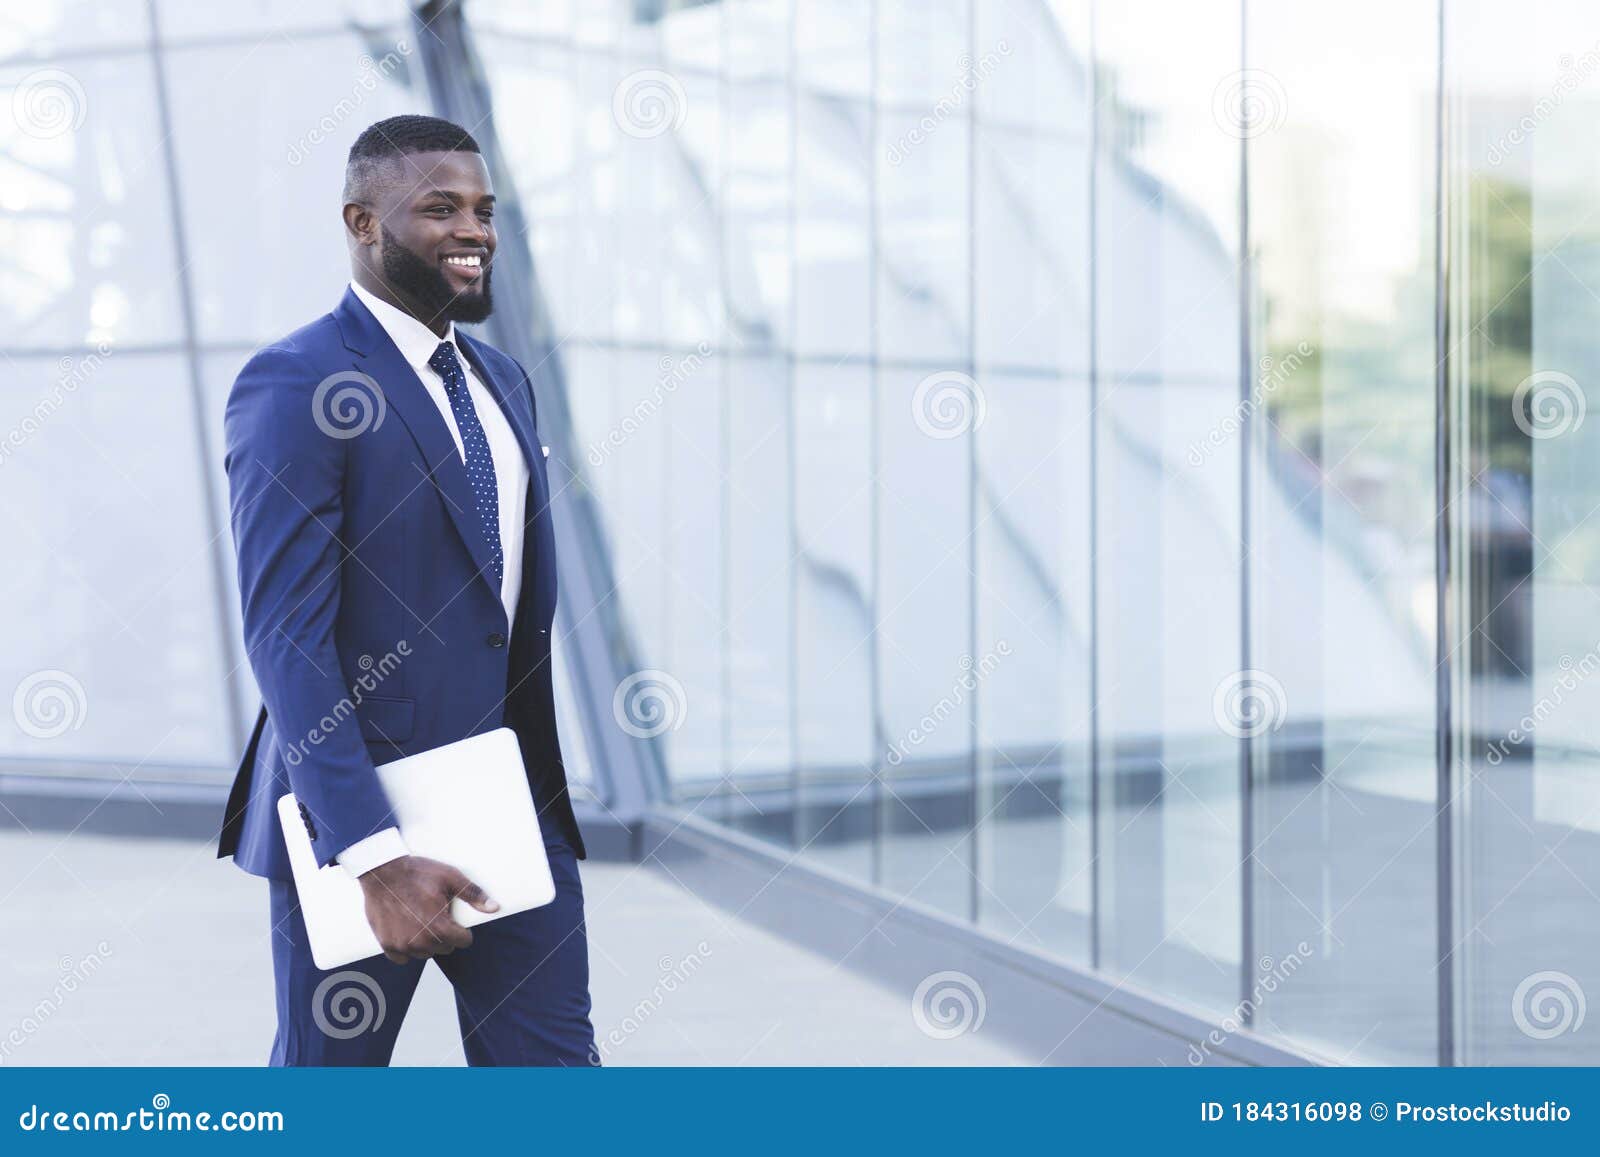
[[415, 341]]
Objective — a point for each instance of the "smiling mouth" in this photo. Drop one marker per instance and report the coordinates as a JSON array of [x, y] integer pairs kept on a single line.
[[466, 267]]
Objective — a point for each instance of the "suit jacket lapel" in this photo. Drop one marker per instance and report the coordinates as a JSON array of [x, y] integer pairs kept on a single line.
[[404, 394]]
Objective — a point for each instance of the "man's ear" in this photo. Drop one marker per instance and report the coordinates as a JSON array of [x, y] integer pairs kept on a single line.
[[361, 223]]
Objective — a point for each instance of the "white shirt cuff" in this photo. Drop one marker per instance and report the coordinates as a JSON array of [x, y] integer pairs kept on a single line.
[[373, 852]]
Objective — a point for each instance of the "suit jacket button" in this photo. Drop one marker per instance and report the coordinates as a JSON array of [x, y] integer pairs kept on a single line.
[[497, 639]]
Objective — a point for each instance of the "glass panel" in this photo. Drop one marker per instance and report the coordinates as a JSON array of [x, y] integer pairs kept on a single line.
[[281, 167], [925, 637], [1523, 174], [218, 371], [833, 221], [85, 221], [268, 20], [1032, 275], [48, 28], [757, 243], [685, 506], [1168, 544], [1030, 65], [759, 616], [834, 744], [1030, 672], [924, 272], [1342, 200], [760, 37], [833, 40], [924, 52], [116, 669]]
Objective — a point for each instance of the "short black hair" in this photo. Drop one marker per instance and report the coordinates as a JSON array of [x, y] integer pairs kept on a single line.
[[398, 136]]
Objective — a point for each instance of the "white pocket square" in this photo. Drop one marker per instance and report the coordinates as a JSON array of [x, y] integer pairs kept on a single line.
[[546, 450]]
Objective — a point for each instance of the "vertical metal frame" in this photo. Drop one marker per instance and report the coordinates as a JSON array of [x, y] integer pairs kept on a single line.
[[1444, 740], [1096, 881], [629, 775], [973, 748], [1247, 432], [228, 645]]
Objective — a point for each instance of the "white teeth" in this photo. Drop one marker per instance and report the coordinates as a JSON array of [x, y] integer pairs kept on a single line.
[[466, 262]]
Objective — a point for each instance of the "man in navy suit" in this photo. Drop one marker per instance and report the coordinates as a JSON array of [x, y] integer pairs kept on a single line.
[[397, 574]]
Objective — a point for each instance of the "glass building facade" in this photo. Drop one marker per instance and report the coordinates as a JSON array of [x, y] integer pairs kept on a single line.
[[1114, 474]]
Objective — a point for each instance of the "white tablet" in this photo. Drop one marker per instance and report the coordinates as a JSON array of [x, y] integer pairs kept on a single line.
[[466, 804]]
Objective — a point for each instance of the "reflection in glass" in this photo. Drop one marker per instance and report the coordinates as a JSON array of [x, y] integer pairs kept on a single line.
[[1342, 558]]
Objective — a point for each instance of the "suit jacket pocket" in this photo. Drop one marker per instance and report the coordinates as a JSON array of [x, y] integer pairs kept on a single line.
[[386, 719]]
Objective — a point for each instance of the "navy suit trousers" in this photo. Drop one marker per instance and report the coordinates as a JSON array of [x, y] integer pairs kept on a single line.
[[522, 989]]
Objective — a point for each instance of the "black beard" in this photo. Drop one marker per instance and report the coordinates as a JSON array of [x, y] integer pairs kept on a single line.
[[424, 283]]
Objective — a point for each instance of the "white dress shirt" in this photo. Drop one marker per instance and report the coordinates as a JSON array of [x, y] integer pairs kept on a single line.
[[417, 343]]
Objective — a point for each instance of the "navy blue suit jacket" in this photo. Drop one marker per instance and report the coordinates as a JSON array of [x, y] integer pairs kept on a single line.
[[371, 619]]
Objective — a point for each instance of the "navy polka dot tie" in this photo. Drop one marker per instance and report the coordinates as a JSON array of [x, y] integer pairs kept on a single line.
[[480, 463]]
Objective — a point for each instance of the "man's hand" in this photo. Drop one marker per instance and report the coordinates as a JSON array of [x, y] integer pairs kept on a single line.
[[408, 906]]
